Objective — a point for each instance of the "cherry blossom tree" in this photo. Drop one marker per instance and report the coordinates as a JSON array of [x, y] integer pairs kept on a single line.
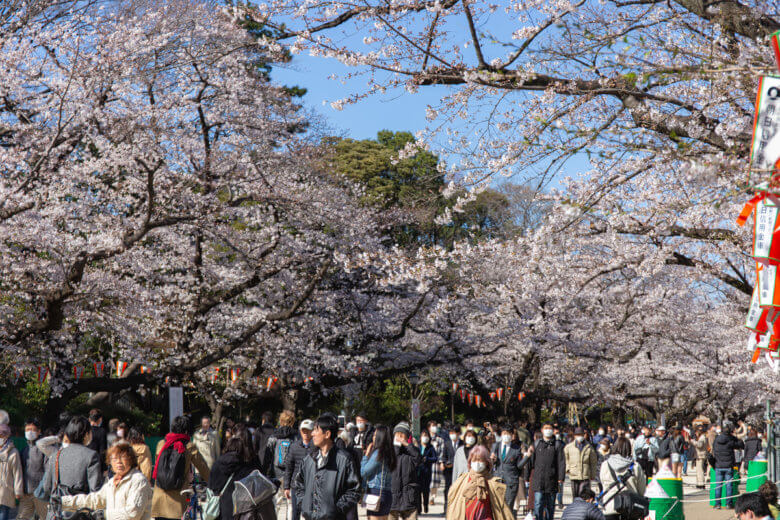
[[635, 288]]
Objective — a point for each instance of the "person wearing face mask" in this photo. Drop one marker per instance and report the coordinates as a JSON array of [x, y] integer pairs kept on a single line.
[[548, 464], [79, 467], [33, 468], [602, 453], [425, 471], [581, 461], [436, 470], [509, 459], [460, 463], [597, 439], [205, 439], [364, 431], [404, 477], [11, 477], [664, 456], [476, 495], [645, 449], [447, 460]]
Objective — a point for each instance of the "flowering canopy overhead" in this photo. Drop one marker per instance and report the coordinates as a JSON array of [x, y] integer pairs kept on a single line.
[[635, 286]]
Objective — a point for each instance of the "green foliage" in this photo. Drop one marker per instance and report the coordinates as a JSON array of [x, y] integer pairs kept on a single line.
[[389, 401], [414, 185], [28, 399]]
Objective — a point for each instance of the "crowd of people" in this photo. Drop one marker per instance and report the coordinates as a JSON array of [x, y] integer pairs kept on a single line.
[[326, 468]]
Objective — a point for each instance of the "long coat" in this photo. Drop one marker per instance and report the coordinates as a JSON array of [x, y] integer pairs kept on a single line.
[[456, 503], [549, 466], [171, 503], [11, 478]]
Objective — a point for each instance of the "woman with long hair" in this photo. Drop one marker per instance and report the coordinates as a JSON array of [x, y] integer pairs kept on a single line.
[[477, 495], [376, 469]]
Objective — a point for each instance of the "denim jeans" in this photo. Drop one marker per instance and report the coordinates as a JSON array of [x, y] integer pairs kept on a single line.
[[721, 490], [685, 463], [5, 512], [544, 506]]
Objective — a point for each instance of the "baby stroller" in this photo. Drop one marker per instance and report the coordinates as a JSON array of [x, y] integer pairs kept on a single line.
[[253, 498]]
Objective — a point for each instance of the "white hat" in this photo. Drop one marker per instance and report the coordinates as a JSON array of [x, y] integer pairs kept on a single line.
[[306, 424]]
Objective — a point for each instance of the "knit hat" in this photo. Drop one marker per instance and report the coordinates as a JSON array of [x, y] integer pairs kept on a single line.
[[403, 427]]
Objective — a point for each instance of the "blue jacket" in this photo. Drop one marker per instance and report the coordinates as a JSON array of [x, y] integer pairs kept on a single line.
[[375, 474]]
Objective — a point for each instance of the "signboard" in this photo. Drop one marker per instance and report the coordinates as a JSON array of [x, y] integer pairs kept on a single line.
[[416, 417], [175, 403], [765, 150]]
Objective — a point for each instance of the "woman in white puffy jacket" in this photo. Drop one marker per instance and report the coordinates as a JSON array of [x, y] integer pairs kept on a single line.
[[126, 496]]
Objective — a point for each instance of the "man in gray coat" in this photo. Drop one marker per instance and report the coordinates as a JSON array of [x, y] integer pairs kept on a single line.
[[79, 467]]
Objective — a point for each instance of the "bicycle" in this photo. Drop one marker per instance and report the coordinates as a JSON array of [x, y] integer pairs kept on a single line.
[[194, 510]]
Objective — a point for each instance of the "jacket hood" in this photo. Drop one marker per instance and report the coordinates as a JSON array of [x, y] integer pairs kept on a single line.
[[230, 461], [285, 432], [619, 463]]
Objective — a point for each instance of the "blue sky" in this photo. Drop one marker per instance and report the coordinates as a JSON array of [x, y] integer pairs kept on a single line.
[[396, 110]]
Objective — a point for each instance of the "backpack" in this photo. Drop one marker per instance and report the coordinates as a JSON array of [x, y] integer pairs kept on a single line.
[[280, 454], [171, 469]]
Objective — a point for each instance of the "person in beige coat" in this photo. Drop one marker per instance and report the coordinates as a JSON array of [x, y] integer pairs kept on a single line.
[[11, 480], [701, 446], [142, 452], [581, 462], [126, 496], [476, 495], [171, 503]]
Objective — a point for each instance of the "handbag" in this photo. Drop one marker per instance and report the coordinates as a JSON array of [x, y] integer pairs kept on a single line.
[[371, 501], [211, 506], [57, 492]]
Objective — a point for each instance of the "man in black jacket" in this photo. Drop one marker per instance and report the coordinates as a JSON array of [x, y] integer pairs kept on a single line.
[[447, 458], [404, 481], [99, 442], [260, 439], [583, 508], [300, 447], [723, 451], [664, 455], [508, 461], [327, 486], [549, 471]]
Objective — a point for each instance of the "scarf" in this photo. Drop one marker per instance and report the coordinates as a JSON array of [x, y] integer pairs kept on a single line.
[[177, 441], [476, 486]]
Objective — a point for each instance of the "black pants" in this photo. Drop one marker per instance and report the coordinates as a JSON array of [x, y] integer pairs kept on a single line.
[[296, 513], [511, 495], [447, 484], [647, 467], [424, 495], [577, 486]]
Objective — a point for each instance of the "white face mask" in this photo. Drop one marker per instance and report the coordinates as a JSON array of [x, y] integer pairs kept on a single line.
[[30, 435], [547, 433], [65, 444], [424, 440], [470, 428], [361, 426], [454, 437], [506, 439], [628, 436], [120, 433], [579, 438], [397, 443], [470, 441], [434, 430], [601, 432], [478, 466]]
